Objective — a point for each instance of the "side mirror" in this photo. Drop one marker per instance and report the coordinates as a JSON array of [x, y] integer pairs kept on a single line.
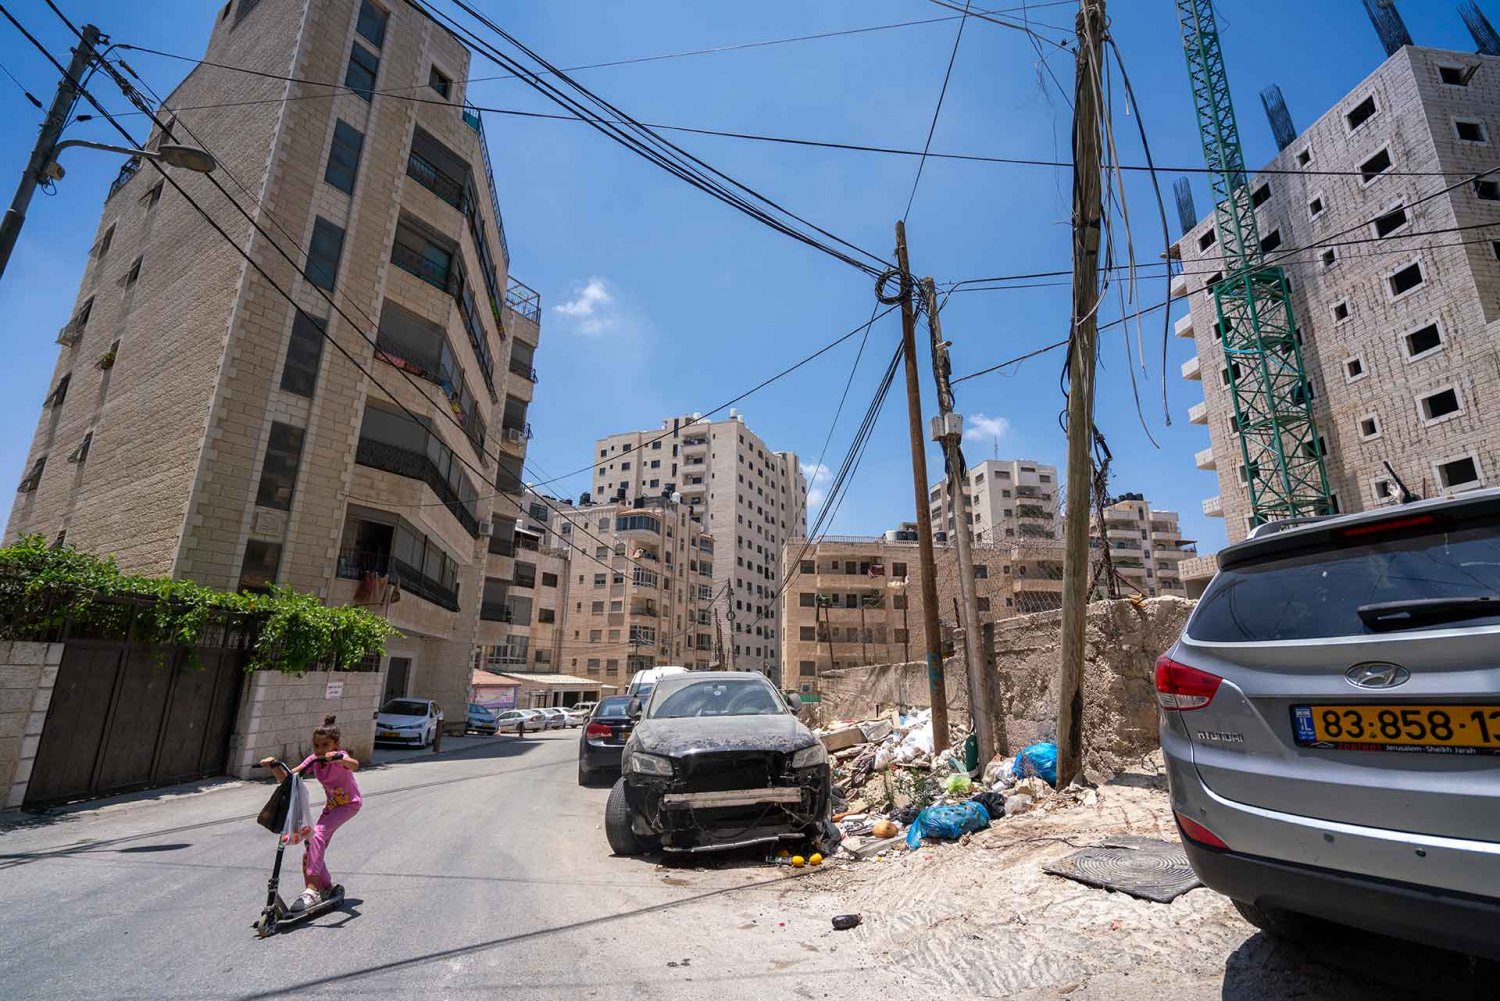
[[634, 709]]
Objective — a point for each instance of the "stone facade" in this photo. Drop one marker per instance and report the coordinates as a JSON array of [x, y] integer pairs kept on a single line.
[[1146, 546], [27, 674], [205, 429], [1010, 500], [279, 712], [751, 498], [526, 589], [1399, 374]]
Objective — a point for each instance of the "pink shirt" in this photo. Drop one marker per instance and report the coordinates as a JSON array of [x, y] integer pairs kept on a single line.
[[337, 780]]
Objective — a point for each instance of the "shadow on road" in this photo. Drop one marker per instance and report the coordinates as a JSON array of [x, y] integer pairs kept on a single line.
[[1342, 964]]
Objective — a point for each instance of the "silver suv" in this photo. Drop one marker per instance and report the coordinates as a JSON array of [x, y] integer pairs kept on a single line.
[[1331, 724]]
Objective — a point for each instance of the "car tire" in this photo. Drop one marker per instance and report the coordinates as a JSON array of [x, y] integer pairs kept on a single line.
[[1275, 921], [617, 828]]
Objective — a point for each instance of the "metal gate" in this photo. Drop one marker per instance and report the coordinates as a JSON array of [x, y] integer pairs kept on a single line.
[[126, 717]]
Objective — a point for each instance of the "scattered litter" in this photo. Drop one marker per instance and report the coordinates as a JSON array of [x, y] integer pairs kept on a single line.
[[1141, 867], [798, 861], [993, 803], [957, 784], [948, 822], [885, 829], [843, 922], [815, 859], [1018, 803], [1040, 760]]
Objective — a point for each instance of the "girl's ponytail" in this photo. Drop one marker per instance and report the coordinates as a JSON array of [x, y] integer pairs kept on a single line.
[[328, 730]]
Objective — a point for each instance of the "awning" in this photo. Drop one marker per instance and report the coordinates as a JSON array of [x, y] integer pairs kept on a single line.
[[557, 681]]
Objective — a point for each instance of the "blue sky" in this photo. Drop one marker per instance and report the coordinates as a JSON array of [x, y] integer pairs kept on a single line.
[[660, 300]]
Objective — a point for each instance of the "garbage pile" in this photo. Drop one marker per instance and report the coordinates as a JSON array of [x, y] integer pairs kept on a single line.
[[892, 790]]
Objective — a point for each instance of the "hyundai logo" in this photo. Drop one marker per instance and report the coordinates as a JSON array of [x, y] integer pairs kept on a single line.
[[1377, 675]]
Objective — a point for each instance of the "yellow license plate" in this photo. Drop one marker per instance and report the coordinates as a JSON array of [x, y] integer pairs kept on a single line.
[[1462, 729]]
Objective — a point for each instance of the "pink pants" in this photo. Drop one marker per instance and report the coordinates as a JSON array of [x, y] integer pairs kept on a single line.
[[313, 865]]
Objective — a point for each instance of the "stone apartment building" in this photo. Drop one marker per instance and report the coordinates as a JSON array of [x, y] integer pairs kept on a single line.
[[1146, 546], [1009, 499], [1399, 310], [751, 498], [854, 601], [525, 590], [199, 425]]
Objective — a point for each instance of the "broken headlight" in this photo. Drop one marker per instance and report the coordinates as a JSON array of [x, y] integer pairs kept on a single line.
[[650, 764], [813, 754]]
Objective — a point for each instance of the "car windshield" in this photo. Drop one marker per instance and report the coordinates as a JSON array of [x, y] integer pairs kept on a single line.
[[404, 707], [740, 697], [1318, 595], [618, 705]]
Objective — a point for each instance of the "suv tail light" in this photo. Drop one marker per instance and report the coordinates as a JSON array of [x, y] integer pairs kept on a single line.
[[1180, 688], [598, 730], [1195, 831]]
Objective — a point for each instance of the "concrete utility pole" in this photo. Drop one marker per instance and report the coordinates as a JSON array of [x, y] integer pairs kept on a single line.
[[936, 687], [46, 143], [948, 430], [1082, 354]]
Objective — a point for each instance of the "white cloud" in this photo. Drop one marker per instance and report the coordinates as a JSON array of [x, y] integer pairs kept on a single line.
[[817, 475], [592, 309], [986, 429]]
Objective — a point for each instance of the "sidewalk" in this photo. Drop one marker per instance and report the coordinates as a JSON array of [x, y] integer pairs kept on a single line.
[[389, 755]]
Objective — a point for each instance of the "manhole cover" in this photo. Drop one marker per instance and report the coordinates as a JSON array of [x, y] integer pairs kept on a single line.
[[1142, 867]]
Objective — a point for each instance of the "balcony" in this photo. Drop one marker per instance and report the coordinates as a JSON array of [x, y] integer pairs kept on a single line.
[[447, 187], [128, 170], [648, 609], [416, 466], [411, 260], [1191, 369], [638, 524], [1204, 459], [1032, 511], [1184, 326], [1179, 287], [496, 611], [1213, 507], [475, 121], [524, 300], [523, 369], [516, 436], [1198, 413], [645, 578], [355, 564]]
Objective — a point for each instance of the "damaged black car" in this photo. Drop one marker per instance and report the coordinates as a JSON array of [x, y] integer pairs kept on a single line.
[[718, 760]]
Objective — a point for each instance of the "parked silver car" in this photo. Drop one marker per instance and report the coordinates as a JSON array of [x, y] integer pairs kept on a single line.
[[1331, 720]]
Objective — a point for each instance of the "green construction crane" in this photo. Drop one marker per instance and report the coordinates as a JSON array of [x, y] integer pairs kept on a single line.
[[1279, 443]]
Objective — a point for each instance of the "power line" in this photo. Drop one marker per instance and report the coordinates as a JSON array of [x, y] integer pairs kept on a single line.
[[936, 111], [29, 95]]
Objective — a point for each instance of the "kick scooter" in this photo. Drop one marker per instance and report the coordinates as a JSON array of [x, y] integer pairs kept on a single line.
[[276, 914]]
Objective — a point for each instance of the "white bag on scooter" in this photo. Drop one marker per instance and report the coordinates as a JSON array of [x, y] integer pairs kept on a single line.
[[298, 826]]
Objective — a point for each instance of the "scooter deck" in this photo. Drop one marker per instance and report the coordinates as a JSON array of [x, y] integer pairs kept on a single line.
[[286, 917]]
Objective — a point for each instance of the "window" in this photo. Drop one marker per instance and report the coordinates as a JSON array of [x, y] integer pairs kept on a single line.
[[1470, 130], [243, 10], [1454, 76], [1260, 195], [59, 392], [1384, 490], [1207, 239], [33, 479], [981, 572], [1315, 207], [546, 615], [1495, 248], [1458, 473], [440, 82], [1214, 279], [1354, 368], [153, 196], [1330, 257], [1361, 113], [303, 355], [898, 569], [549, 579], [984, 604], [371, 23], [1374, 166], [133, 275], [807, 599], [1271, 241], [901, 636], [278, 474], [258, 569], [360, 75], [1393, 220], [1406, 279], [807, 633], [324, 252], [1369, 427], [1341, 311], [102, 247], [1315, 448], [1304, 157], [1423, 341], [343, 156], [1487, 190], [1443, 403]]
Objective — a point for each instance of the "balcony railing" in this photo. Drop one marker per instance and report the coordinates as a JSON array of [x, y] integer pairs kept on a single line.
[[647, 609], [522, 369], [502, 547], [646, 578], [128, 170], [447, 187], [411, 260], [524, 300], [355, 563], [496, 611], [528, 580], [474, 121], [416, 466], [516, 434]]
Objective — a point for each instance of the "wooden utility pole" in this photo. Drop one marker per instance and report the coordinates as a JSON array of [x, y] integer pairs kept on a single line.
[[948, 431], [1082, 353], [937, 689]]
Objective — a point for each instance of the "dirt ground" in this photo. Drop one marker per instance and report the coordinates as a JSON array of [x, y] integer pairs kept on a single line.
[[981, 919]]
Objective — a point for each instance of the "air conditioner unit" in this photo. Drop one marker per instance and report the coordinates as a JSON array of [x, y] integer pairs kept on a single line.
[[486, 528], [69, 334]]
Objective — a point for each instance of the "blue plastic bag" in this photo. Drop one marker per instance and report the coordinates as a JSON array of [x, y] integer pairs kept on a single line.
[[950, 822], [1039, 760]]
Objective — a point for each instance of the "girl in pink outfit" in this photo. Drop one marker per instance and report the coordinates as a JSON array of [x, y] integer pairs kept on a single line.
[[335, 770]]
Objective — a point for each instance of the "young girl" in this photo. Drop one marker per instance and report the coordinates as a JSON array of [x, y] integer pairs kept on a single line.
[[335, 770]]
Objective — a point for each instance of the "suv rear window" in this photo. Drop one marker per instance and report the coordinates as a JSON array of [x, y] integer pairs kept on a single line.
[[1316, 595]]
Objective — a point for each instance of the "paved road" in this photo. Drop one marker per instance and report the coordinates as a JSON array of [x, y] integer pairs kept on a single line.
[[479, 872]]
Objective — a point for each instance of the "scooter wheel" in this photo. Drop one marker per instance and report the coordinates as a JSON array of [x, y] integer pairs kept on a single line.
[[266, 926]]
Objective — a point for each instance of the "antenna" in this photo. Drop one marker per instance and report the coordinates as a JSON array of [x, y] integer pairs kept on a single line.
[[1480, 27], [1388, 25], [1280, 118], [1187, 212]]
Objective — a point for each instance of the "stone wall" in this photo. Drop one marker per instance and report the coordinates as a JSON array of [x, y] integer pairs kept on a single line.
[[279, 712], [1121, 644], [27, 672]]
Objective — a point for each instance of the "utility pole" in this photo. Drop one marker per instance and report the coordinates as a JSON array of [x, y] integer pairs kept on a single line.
[[46, 143], [948, 431], [937, 689], [1083, 342]]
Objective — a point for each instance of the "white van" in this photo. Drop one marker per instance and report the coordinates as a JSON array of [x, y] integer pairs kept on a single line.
[[642, 682]]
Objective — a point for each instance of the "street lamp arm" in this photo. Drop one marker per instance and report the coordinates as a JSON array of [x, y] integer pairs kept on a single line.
[[187, 157], [106, 147]]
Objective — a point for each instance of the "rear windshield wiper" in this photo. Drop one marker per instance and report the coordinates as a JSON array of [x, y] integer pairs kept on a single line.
[[1390, 615]]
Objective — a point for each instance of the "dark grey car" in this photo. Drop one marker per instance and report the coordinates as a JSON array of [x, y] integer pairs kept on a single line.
[[1331, 723]]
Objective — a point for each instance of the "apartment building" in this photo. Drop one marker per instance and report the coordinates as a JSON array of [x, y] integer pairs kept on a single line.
[[200, 427], [854, 601], [526, 589], [1009, 499], [1146, 546], [1397, 298], [751, 499]]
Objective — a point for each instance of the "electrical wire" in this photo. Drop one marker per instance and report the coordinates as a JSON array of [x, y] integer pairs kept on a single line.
[[29, 95], [936, 111]]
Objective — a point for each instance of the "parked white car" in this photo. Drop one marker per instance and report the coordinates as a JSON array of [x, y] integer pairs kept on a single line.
[[407, 721], [510, 721], [556, 718], [576, 717]]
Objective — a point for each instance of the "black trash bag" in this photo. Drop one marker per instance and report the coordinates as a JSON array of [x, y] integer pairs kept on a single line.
[[993, 802], [904, 815], [273, 815]]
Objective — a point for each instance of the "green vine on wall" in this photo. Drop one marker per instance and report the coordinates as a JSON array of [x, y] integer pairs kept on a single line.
[[45, 588]]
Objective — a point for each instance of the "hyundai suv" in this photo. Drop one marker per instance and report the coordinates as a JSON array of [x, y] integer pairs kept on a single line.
[[1331, 723]]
